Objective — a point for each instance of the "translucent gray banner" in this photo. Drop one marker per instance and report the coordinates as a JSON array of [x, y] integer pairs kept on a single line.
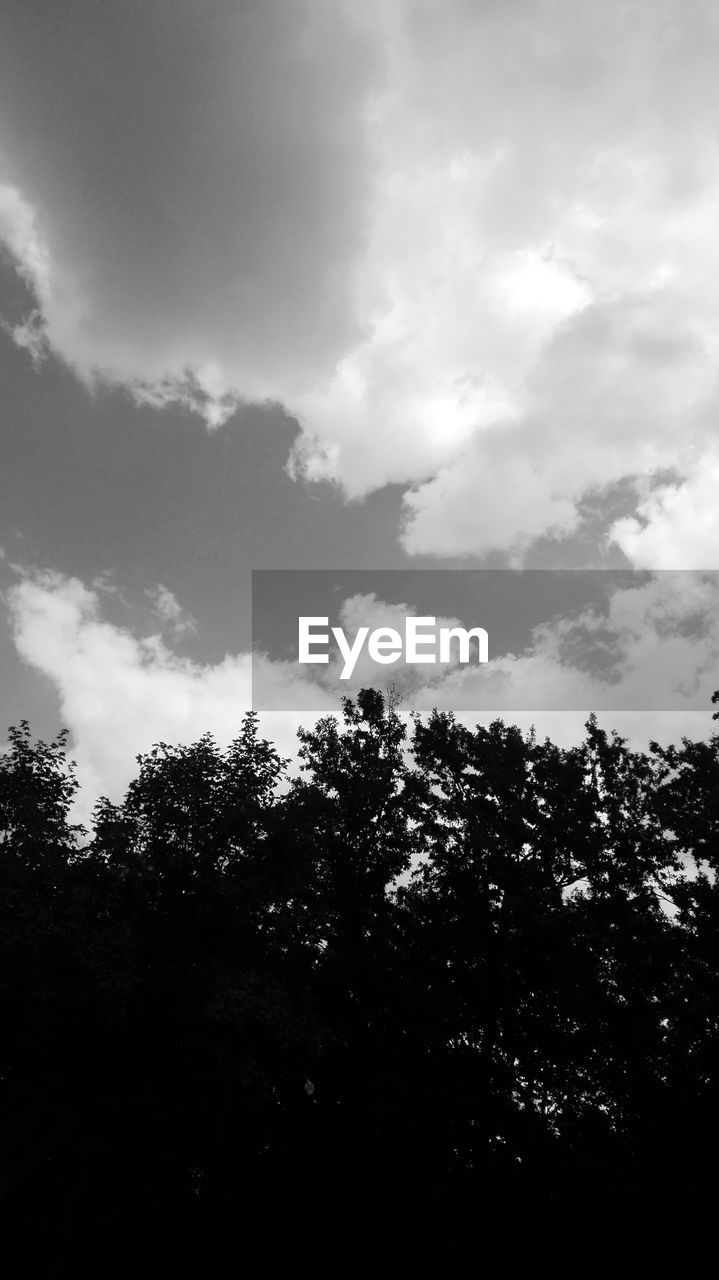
[[486, 639]]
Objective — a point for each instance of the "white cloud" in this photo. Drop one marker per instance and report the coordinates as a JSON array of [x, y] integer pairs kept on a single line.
[[678, 525], [120, 694], [542, 260], [471, 247], [19, 232], [620, 390], [169, 610]]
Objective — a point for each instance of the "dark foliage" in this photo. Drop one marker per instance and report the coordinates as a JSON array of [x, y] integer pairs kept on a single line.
[[457, 989]]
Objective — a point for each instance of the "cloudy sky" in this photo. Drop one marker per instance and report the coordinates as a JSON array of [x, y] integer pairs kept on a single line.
[[319, 284]]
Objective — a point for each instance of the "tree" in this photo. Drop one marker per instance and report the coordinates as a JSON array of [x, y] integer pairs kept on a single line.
[[437, 983]]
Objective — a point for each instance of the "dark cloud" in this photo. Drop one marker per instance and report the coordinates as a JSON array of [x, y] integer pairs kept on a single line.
[[199, 177]]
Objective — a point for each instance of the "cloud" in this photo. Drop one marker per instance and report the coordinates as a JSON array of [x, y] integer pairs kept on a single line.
[[19, 232], [119, 694], [678, 524], [619, 390], [656, 646], [471, 247], [169, 610], [544, 248], [187, 189]]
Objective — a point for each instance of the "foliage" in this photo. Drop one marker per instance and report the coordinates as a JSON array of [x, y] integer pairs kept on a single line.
[[444, 976]]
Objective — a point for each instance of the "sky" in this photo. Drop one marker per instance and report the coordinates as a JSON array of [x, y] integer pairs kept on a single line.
[[311, 284]]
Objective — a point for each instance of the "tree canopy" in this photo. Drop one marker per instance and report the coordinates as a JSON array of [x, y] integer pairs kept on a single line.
[[441, 982]]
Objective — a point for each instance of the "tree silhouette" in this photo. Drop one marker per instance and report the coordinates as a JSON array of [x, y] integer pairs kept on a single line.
[[441, 981]]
